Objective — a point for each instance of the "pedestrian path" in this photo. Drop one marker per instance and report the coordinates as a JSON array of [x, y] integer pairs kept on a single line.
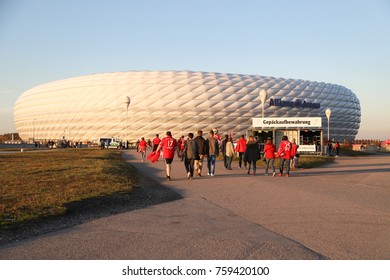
[[339, 211]]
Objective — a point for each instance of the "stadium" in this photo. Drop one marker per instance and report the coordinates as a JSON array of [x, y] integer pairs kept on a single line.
[[88, 107]]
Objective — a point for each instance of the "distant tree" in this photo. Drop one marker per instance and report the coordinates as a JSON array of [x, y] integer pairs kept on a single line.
[[8, 137]]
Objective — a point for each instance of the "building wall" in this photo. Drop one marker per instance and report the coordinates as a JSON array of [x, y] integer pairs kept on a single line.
[[88, 107]]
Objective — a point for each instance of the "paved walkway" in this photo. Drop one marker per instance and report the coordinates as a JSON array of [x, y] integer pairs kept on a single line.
[[339, 211]]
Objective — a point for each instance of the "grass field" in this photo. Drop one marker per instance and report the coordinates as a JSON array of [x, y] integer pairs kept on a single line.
[[40, 184]]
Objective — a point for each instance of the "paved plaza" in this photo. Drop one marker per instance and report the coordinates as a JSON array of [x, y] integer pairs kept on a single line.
[[338, 211]]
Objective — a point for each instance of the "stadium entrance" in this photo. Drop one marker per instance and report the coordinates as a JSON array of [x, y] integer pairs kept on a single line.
[[307, 132]]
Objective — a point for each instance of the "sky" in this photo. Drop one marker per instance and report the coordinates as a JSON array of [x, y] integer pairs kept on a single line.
[[343, 42]]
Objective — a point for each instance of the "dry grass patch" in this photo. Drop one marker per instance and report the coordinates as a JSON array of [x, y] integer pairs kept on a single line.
[[40, 184]]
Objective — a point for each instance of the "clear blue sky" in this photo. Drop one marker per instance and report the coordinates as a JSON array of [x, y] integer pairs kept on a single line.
[[335, 41]]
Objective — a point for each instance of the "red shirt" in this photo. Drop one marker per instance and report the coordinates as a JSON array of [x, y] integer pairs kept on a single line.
[[168, 145], [241, 145], [142, 145], [294, 148], [156, 141], [285, 149], [269, 151], [182, 143]]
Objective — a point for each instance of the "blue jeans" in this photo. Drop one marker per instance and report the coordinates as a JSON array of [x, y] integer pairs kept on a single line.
[[211, 164], [229, 162], [282, 160], [267, 162]]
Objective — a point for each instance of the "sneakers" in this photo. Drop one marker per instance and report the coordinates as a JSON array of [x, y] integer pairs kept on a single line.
[[287, 175], [208, 174], [244, 167], [273, 174], [212, 175], [266, 174], [280, 175], [189, 175]]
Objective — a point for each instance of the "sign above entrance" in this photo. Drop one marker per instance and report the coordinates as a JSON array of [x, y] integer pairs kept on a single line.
[[286, 122]]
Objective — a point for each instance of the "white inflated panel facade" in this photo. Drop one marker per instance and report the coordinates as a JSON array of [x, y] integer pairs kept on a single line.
[[88, 107]]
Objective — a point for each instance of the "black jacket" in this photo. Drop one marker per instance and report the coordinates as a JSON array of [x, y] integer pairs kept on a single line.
[[190, 149], [252, 152], [201, 148]]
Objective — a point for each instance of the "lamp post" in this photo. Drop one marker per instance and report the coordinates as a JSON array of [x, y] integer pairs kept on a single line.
[[34, 130], [328, 112], [127, 103], [263, 97]]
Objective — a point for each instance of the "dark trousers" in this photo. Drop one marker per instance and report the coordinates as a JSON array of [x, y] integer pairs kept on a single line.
[[189, 165], [225, 161], [240, 159], [155, 147], [250, 163]]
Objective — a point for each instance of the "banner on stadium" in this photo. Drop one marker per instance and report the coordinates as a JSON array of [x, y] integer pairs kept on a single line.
[[286, 122]]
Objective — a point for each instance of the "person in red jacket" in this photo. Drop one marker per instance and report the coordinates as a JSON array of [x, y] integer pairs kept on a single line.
[[155, 142], [284, 153], [181, 143], [168, 147], [142, 148], [294, 154], [241, 148], [269, 153]]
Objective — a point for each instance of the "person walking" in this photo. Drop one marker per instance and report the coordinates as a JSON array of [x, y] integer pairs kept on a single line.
[[201, 152], [252, 154], [284, 153], [223, 151], [240, 148], [212, 153], [189, 155], [181, 145], [330, 147], [294, 154], [229, 153], [337, 148], [269, 153], [155, 142], [142, 148], [168, 145]]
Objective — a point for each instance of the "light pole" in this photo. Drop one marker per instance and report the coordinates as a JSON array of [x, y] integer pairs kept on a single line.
[[263, 97], [328, 112], [34, 130], [127, 103]]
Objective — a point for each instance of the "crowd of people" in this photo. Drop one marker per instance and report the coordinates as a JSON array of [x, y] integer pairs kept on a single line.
[[197, 149]]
